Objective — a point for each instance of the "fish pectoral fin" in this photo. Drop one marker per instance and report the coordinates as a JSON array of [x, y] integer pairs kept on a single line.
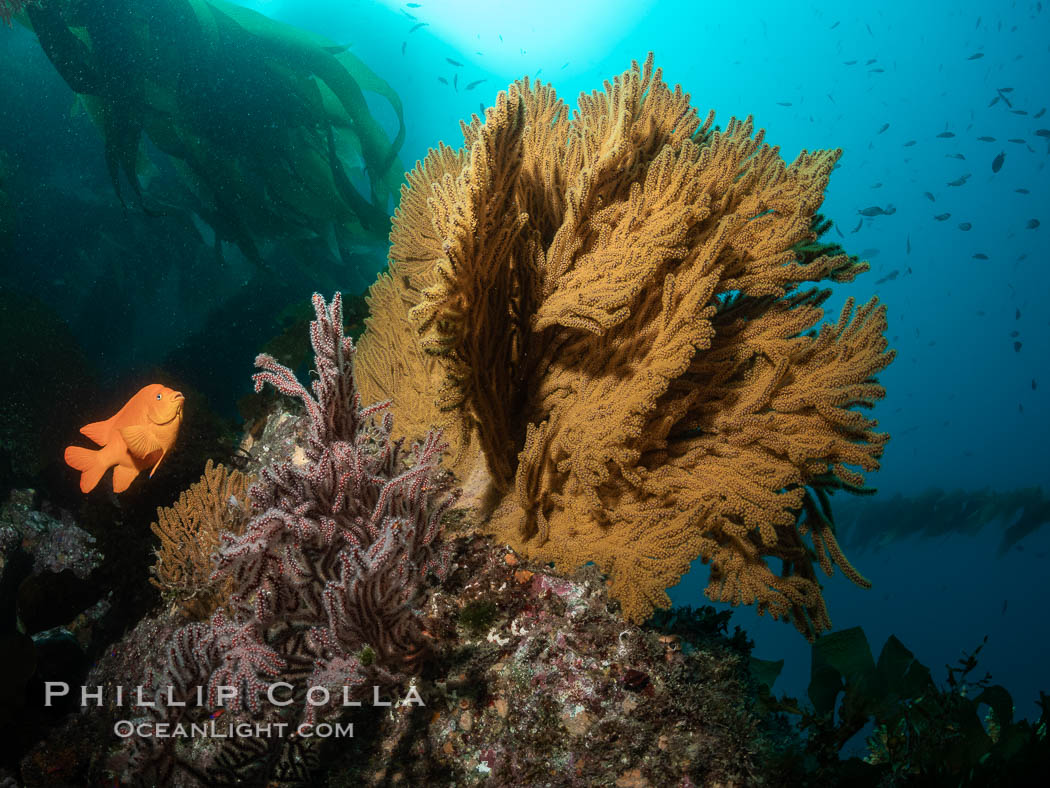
[[123, 476], [163, 454], [140, 441], [97, 432]]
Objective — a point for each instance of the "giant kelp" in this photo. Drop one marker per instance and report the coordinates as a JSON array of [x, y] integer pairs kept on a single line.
[[266, 126], [606, 311], [8, 9], [879, 522]]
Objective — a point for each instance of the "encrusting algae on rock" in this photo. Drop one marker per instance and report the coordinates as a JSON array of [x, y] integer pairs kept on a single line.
[[606, 314]]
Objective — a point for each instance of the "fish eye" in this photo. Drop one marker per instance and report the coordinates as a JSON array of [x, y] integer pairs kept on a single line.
[[158, 396]]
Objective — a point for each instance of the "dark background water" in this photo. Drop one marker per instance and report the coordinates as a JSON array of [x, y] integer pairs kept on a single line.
[[967, 400]]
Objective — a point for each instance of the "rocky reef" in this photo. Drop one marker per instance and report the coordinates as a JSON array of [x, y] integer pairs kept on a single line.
[[539, 681], [533, 678]]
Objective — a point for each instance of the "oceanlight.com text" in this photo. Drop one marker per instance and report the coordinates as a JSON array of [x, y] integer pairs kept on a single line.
[[243, 730]]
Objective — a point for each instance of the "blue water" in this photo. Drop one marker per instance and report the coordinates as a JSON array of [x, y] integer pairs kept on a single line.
[[966, 409]]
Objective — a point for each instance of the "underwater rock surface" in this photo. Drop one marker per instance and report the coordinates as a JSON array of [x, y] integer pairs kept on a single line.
[[538, 681], [47, 588]]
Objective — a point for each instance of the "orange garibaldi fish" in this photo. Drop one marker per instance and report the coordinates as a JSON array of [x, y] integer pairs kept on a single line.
[[139, 436]]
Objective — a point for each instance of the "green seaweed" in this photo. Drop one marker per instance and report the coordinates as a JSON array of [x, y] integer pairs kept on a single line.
[[267, 126], [477, 616], [922, 734], [367, 656]]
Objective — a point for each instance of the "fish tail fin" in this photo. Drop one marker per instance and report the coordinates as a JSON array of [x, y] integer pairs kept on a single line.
[[89, 463]]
